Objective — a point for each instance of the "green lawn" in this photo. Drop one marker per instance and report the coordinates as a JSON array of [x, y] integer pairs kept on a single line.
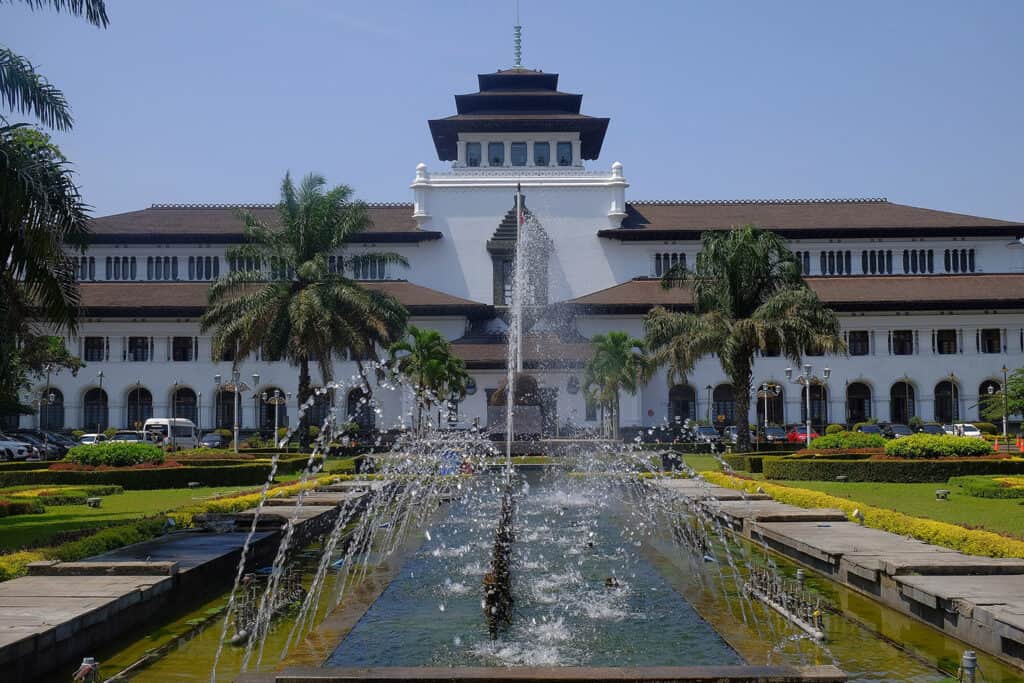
[[21, 530], [1000, 515]]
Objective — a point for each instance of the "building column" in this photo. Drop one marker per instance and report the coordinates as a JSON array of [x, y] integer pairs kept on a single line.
[[461, 154], [577, 159], [529, 152]]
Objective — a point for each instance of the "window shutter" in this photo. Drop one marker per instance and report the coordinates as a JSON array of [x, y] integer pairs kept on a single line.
[[124, 348], [151, 346], [960, 341], [933, 342], [168, 348], [890, 342], [195, 349], [977, 341], [917, 343], [1004, 340]]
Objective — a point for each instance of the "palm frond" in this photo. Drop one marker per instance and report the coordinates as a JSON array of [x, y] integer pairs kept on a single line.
[[95, 11], [24, 90]]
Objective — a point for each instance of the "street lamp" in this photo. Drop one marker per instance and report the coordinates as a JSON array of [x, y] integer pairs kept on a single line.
[[275, 401], [708, 389], [99, 376], [174, 412], [954, 403], [807, 379], [49, 401], [237, 386], [199, 413], [1005, 400]]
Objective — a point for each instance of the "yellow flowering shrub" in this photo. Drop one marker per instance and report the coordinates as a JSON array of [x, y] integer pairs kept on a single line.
[[970, 541], [13, 565]]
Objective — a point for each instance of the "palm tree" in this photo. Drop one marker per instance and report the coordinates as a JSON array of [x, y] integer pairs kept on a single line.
[[305, 311], [748, 296], [617, 365], [427, 359]]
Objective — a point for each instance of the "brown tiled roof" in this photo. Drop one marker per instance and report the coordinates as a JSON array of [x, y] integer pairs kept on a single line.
[[189, 299], [539, 351], [892, 292], [189, 222], [799, 218]]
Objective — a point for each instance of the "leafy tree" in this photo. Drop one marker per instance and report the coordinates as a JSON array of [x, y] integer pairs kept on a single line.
[[992, 404], [304, 311], [426, 358], [617, 365], [748, 295]]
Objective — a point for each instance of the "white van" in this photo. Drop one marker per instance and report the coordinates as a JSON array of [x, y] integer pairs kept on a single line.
[[184, 435]]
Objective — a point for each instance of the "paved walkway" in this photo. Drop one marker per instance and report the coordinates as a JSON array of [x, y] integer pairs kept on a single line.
[[979, 600]]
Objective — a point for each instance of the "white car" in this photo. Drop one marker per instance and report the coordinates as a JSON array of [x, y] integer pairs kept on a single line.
[[89, 439], [962, 429], [13, 450]]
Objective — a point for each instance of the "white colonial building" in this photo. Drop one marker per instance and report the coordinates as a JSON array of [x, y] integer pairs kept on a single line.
[[931, 302]]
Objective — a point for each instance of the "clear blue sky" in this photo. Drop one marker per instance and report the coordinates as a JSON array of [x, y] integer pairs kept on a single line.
[[198, 101]]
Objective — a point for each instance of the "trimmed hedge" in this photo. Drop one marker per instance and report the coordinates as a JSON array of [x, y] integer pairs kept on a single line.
[[153, 478], [838, 440], [9, 507], [935, 446], [115, 454], [833, 429], [744, 462], [971, 541], [906, 471], [987, 487], [22, 465]]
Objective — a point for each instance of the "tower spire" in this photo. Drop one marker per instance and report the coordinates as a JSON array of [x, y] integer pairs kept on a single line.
[[517, 42]]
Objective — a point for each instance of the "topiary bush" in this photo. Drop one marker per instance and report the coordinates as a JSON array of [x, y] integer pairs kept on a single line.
[[77, 434], [115, 454], [848, 440], [833, 429], [915, 422], [935, 446], [986, 427], [109, 432], [900, 471]]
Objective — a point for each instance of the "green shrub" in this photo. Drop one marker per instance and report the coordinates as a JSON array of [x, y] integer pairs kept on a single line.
[[152, 478], [314, 432], [915, 422], [846, 440], [10, 507], [77, 434], [901, 471], [109, 432], [987, 487], [226, 433], [744, 462], [116, 454], [839, 454], [833, 429], [935, 446], [986, 427]]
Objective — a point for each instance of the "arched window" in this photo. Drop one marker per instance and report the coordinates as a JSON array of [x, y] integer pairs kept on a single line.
[[682, 403], [185, 405], [858, 402], [321, 408], [988, 391], [140, 407], [775, 399], [901, 403], [947, 402], [95, 412], [51, 410], [224, 412], [359, 409], [723, 404], [265, 409], [819, 405]]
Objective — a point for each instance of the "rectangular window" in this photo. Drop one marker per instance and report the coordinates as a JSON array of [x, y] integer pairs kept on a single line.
[[541, 153], [138, 349], [518, 153], [94, 347], [496, 153], [591, 415], [902, 343], [859, 343], [473, 154], [564, 152], [945, 342], [181, 349], [991, 341]]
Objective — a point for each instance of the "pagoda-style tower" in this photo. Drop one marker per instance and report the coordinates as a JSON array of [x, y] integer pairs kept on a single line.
[[518, 118]]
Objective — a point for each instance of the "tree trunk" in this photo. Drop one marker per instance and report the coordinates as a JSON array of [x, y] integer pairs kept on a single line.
[[304, 392], [741, 393], [615, 418]]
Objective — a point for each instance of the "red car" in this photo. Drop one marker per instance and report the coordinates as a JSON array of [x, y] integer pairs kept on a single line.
[[799, 435]]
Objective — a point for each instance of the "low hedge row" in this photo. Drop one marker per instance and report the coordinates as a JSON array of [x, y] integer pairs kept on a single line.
[[9, 507], [971, 541], [848, 440], [744, 462], [906, 471], [21, 465], [987, 487], [936, 446], [155, 478], [853, 454]]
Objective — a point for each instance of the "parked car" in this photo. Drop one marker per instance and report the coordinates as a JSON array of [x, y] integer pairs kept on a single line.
[[44, 450], [798, 434], [871, 429], [775, 434], [707, 434], [896, 431], [213, 440], [932, 429], [89, 439], [12, 449], [131, 436], [962, 429], [55, 447]]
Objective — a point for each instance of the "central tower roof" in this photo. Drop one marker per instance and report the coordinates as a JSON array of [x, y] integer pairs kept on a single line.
[[518, 101]]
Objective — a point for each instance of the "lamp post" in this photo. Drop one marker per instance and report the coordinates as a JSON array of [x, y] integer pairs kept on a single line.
[[275, 401], [807, 379], [49, 401], [138, 403], [708, 389], [99, 376], [199, 413], [174, 413], [1005, 400], [954, 404], [236, 385]]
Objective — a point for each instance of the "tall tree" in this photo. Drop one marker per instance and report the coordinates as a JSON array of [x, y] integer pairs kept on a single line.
[[284, 298], [748, 295], [617, 365], [426, 358]]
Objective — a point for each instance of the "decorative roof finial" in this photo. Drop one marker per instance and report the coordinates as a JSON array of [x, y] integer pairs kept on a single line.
[[517, 42]]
